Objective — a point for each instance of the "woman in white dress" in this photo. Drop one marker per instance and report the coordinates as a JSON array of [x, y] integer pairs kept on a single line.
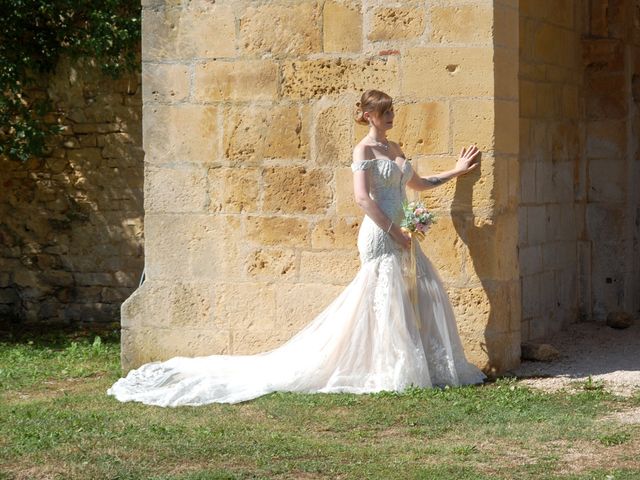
[[371, 337]]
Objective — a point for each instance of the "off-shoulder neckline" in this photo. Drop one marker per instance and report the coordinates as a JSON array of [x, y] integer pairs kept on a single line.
[[401, 168]]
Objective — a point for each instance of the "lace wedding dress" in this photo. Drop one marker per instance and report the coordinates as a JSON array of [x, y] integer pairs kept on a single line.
[[367, 340]]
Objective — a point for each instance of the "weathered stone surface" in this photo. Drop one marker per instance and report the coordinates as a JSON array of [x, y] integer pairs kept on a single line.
[[341, 27], [239, 80], [469, 24], [332, 134], [254, 133], [315, 78], [278, 231], [181, 133], [201, 29], [396, 23], [163, 82], [345, 200], [539, 352], [335, 233], [281, 29], [193, 246], [330, 267], [296, 190], [245, 306], [298, 304], [191, 306], [179, 189], [619, 320], [148, 344], [448, 72], [272, 264], [233, 189], [422, 128]]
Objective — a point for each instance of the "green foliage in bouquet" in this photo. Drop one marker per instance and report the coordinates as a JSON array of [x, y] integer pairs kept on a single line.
[[33, 36]]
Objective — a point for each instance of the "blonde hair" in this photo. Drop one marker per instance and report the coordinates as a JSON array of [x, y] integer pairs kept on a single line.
[[372, 101]]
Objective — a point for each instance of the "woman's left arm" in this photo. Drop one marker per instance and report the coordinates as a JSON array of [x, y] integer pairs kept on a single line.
[[468, 160]]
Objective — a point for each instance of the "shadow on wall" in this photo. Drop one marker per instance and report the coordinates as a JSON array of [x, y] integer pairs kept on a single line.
[[71, 237], [486, 236]]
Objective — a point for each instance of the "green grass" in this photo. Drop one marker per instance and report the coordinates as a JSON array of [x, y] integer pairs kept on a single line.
[[57, 422]]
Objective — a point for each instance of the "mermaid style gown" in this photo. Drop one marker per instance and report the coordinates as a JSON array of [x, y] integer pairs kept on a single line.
[[367, 340]]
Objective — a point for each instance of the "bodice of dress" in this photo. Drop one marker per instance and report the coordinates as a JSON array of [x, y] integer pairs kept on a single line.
[[387, 183], [387, 186]]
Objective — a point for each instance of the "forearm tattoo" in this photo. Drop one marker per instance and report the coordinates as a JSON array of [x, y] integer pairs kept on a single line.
[[434, 181]]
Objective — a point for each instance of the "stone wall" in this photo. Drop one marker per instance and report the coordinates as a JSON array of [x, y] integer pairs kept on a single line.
[[610, 256], [71, 231], [250, 224], [552, 168], [579, 210]]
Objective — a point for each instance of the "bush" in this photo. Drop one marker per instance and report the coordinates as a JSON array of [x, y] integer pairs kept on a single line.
[[33, 36]]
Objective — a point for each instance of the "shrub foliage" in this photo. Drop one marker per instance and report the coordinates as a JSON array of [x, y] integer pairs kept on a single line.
[[34, 34]]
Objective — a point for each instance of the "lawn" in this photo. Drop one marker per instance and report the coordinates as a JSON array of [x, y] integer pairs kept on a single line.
[[57, 422]]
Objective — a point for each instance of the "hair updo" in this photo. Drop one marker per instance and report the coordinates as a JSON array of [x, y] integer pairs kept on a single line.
[[372, 101]]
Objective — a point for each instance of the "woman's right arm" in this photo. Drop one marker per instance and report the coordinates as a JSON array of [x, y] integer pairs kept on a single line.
[[371, 208]]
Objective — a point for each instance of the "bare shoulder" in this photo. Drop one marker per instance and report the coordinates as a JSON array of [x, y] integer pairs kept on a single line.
[[360, 152]]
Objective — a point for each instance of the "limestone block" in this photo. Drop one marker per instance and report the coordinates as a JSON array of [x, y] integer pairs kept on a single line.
[[345, 200], [281, 29], [237, 80], [334, 233], [180, 133], [559, 12], [333, 267], [555, 45], [272, 264], [605, 221], [448, 72], [539, 352], [527, 98], [147, 306], [506, 73], [278, 231], [462, 23], [175, 189], [252, 341], [608, 96], [490, 124], [422, 128], [506, 26], [192, 306], [199, 30], [608, 180], [530, 260], [296, 190], [332, 134], [606, 139], [163, 82], [253, 133], [570, 101], [315, 78], [341, 27], [444, 247], [148, 344], [396, 23], [233, 190], [619, 320], [199, 246], [117, 146], [536, 224], [298, 304], [244, 306]]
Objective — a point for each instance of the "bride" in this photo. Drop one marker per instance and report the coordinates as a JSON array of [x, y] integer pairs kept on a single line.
[[371, 337]]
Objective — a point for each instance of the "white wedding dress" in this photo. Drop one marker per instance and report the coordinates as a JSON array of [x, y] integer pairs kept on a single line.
[[367, 340]]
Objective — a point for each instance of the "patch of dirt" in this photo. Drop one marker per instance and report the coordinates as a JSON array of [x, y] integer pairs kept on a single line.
[[610, 357], [626, 417]]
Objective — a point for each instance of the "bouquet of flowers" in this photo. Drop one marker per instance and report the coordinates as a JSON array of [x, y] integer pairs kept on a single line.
[[417, 219]]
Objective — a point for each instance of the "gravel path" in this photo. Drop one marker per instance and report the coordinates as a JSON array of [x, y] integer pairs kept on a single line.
[[608, 355]]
